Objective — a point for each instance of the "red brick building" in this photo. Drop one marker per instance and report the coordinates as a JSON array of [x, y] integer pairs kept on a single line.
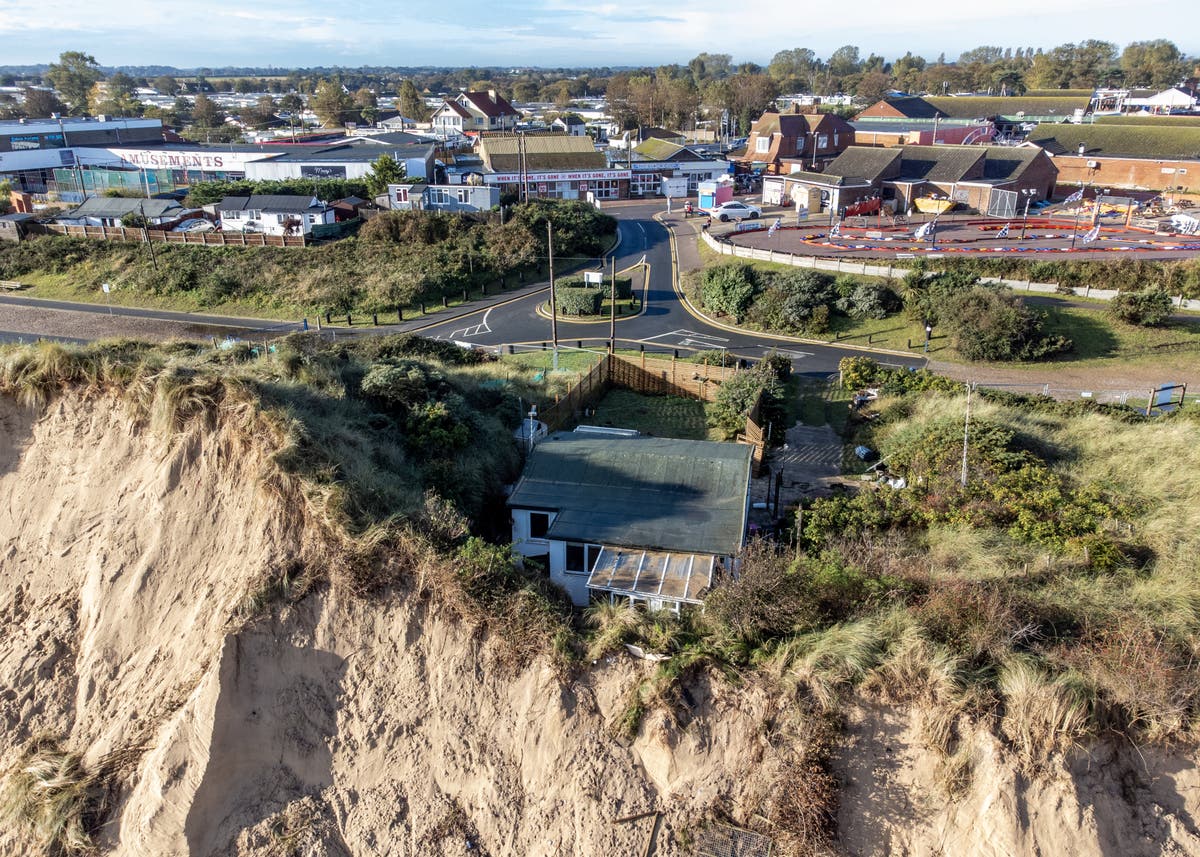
[[780, 140]]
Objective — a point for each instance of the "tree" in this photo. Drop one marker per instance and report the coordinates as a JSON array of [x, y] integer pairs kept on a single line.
[[385, 170], [332, 104], [1156, 63], [5, 195], [873, 86], [262, 115], [993, 325], [73, 76], [42, 103], [114, 96], [367, 104], [411, 105], [206, 113], [164, 84]]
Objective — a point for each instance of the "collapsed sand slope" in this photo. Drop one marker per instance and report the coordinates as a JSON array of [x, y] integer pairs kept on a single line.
[[1106, 801], [344, 727], [355, 727]]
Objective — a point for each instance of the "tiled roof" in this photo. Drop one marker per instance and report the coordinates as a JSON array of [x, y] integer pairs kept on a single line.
[[455, 107], [864, 162], [665, 150], [269, 202], [939, 163], [492, 106], [1008, 162], [104, 206], [913, 107]]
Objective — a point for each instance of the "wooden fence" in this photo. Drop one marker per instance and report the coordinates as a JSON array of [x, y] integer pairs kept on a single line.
[[656, 377], [159, 236]]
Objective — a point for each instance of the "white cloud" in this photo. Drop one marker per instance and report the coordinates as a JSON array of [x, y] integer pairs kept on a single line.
[[555, 32]]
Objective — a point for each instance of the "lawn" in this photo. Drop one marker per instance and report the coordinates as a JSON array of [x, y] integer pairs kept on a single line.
[[660, 416]]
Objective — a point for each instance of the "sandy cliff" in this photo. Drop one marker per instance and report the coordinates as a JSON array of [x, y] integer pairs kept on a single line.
[[340, 726]]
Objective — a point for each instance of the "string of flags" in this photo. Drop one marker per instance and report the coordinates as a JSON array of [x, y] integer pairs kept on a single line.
[[775, 227], [1003, 233], [925, 231], [1075, 197], [836, 230], [1092, 235]]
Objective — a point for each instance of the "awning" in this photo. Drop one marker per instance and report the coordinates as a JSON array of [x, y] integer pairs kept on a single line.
[[680, 577]]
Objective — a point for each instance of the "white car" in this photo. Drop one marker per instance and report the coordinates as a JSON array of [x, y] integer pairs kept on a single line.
[[735, 210], [195, 225]]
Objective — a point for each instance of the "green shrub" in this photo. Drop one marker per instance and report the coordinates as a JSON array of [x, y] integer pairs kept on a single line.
[[869, 300], [1147, 308], [578, 301], [998, 326], [737, 396], [624, 286], [728, 289]]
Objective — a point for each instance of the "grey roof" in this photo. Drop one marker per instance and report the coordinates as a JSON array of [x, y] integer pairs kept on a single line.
[[18, 217], [361, 151], [939, 163], [864, 162], [1008, 162], [119, 206], [646, 492], [269, 202]]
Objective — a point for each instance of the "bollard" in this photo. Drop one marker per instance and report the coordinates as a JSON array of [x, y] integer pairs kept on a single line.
[[464, 295], [349, 321], [306, 325], [399, 313], [870, 338], [375, 319], [521, 276], [641, 347], [423, 308], [445, 302], [675, 356], [512, 349], [579, 344], [328, 319], [483, 286], [909, 343], [543, 346]]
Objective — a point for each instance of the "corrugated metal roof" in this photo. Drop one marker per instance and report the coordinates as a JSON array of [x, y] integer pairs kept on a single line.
[[548, 152], [106, 206], [644, 492]]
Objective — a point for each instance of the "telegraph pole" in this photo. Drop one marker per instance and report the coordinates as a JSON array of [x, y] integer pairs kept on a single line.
[[966, 432], [612, 318], [553, 301]]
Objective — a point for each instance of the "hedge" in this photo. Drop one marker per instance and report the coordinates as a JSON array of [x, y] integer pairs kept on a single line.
[[573, 300], [624, 286]]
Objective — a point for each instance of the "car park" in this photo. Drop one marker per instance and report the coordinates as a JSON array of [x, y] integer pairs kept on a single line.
[[735, 210]]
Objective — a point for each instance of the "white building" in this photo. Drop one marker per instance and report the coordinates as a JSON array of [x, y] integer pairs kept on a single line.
[[647, 519], [457, 197], [108, 211], [474, 112], [273, 214]]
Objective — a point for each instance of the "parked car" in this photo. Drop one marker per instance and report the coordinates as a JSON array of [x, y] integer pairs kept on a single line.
[[197, 225], [735, 210]]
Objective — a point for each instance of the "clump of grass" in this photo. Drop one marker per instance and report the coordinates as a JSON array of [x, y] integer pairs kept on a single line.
[[49, 797], [1043, 715], [827, 662]]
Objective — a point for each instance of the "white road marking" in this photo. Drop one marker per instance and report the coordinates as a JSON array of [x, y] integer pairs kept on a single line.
[[474, 330], [688, 334], [795, 354]]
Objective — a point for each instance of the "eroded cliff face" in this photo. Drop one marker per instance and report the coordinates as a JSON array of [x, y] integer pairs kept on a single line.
[[343, 726]]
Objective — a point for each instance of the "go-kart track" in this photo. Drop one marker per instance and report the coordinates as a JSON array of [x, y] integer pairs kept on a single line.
[[960, 236]]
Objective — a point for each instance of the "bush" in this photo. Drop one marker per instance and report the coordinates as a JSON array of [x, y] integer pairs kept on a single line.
[[870, 300], [624, 286], [808, 296], [737, 396], [1147, 308], [728, 289], [993, 325], [578, 301]]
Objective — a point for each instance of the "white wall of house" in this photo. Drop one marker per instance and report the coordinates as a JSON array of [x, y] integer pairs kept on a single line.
[[572, 580], [273, 222], [459, 197]]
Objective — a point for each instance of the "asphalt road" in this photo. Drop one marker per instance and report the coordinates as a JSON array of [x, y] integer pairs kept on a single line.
[[664, 324]]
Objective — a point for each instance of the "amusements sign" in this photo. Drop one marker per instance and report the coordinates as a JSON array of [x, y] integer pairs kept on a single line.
[[200, 159]]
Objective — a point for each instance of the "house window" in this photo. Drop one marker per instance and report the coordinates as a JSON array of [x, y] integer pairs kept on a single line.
[[581, 559], [402, 194], [762, 145], [437, 196], [464, 195], [539, 525]]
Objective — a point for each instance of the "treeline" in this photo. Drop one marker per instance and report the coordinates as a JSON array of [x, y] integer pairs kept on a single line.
[[710, 88]]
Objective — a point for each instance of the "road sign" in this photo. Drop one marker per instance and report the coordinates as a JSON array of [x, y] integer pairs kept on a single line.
[[593, 277]]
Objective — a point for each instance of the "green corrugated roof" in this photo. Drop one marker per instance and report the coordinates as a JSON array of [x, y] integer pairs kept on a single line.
[[974, 107], [1132, 141], [646, 492]]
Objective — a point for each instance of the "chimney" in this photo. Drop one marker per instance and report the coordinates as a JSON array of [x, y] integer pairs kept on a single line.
[[492, 95]]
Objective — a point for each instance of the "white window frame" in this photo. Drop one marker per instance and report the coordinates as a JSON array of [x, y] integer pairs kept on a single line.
[[762, 145]]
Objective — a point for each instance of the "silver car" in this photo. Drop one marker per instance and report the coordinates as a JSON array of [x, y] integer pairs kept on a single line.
[[734, 210]]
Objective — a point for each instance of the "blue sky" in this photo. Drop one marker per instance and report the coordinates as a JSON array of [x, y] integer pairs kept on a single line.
[[555, 32]]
